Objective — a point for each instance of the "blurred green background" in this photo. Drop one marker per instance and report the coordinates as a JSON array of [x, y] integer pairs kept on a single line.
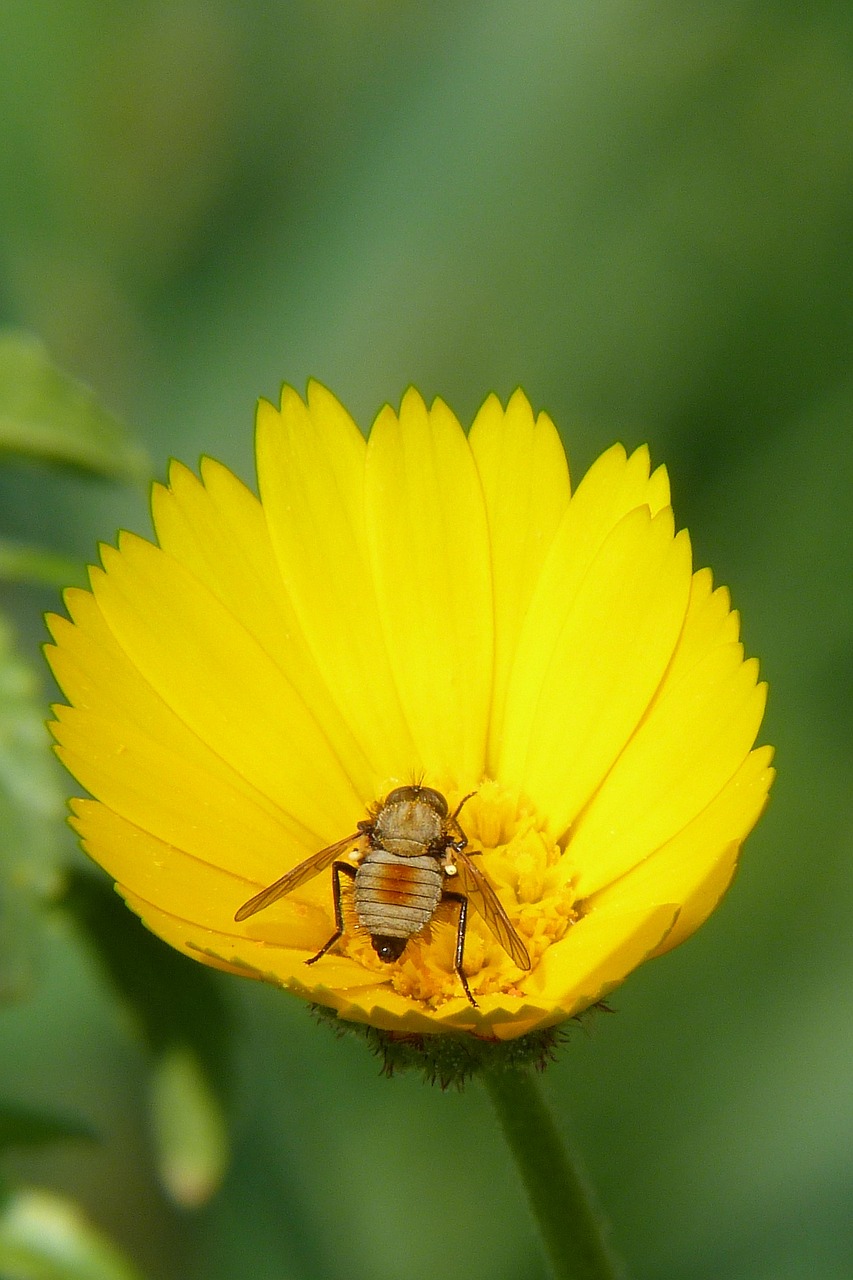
[[640, 212]]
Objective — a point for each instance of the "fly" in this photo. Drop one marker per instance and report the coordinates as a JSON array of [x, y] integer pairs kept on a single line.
[[414, 846]]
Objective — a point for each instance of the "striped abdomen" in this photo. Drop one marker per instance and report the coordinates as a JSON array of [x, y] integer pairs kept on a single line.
[[396, 897]]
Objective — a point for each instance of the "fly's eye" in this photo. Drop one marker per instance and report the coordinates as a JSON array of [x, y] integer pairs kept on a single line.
[[401, 794], [435, 800], [405, 795]]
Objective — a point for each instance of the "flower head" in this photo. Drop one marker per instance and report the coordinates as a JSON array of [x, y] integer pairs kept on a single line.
[[420, 609]]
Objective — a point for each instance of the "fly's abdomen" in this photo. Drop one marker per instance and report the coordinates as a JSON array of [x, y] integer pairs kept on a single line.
[[396, 897]]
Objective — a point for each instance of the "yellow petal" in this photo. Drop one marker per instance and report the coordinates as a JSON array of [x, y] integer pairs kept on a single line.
[[429, 547], [604, 667], [190, 905], [98, 678], [693, 740], [248, 957], [107, 690], [222, 684], [525, 479], [311, 477], [175, 801], [695, 867], [217, 530], [191, 886], [597, 954], [614, 486], [380, 1006], [709, 622]]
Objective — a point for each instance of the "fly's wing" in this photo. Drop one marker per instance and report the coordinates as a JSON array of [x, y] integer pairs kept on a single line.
[[483, 898], [304, 871]]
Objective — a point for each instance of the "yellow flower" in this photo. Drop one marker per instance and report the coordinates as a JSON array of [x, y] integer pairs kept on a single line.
[[415, 607]]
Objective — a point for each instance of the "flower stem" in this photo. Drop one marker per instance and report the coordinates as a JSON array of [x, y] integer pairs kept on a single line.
[[572, 1228]]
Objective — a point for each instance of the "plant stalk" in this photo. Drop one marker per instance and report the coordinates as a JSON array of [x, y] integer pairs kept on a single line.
[[570, 1224]]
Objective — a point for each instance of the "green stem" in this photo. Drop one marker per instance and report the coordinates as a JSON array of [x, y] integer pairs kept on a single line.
[[571, 1227]]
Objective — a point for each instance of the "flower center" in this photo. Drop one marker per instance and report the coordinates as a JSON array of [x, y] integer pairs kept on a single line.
[[509, 845]]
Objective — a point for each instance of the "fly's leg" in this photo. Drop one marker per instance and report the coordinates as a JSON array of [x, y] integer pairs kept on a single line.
[[337, 868], [460, 941], [458, 809]]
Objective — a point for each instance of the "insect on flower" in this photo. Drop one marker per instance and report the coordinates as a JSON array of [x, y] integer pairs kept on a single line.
[[583, 675], [413, 845]]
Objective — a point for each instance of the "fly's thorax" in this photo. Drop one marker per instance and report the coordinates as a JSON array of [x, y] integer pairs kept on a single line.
[[408, 827], [397, 896]]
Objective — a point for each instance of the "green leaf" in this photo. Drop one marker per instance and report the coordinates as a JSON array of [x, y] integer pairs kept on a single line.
[[173, 1002], [30, 812], [181, 1011], [22, 1126], [48, 415], [190, 1133], [21, 563], [45, 1237]]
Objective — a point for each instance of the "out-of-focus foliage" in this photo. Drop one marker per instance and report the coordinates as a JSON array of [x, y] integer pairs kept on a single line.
[[19, 563], [30, 813], [45, 417], [44, 1237], [640, 212], [189, 1128], [45, 414], [183, 1019], [48, 417], [23, 1126]]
